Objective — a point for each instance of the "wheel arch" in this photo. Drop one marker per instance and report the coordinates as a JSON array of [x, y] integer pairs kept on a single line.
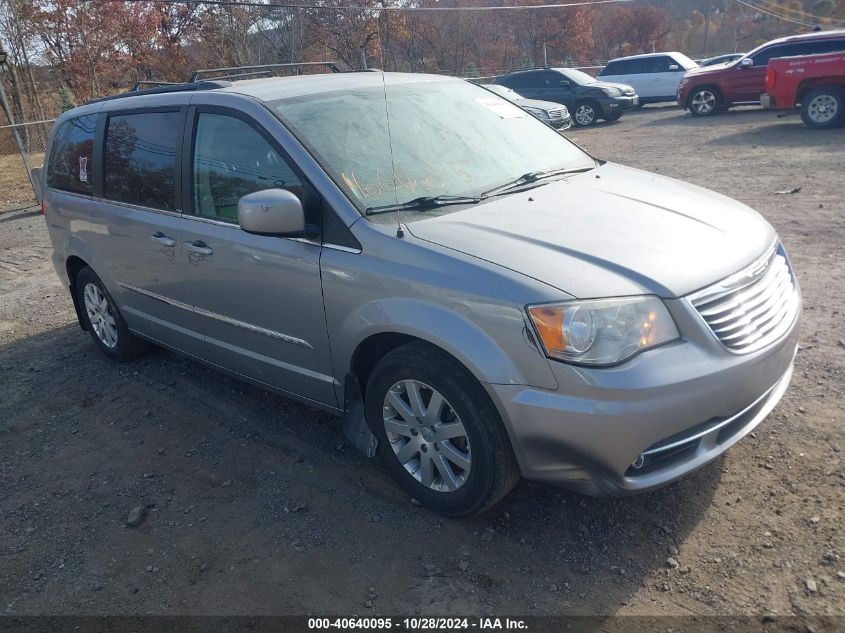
[[369, 333], [713, 88], [808, 85]]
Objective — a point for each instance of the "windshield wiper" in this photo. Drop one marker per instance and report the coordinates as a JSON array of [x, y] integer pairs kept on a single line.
[[423, 203], [531, 178]]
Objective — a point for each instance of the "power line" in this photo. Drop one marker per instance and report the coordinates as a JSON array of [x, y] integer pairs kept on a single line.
[[770, 4], [320, 7], [775, 15]]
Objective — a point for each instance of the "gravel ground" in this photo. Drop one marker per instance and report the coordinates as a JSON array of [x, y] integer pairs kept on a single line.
[[247, 503]]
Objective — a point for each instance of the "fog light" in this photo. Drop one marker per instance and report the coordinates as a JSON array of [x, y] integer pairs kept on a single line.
[[639, 462]]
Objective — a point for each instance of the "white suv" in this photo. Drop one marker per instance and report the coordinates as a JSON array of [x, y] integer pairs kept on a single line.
[[655, 77]]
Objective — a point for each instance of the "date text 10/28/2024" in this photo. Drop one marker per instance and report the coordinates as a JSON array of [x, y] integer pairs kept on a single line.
[[418, 624]]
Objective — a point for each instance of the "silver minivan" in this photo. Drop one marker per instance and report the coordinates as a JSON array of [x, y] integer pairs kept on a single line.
[[478, 297]]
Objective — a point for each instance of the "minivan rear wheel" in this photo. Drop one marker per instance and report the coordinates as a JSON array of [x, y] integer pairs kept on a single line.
[[439, 433], [705, 101], [103, 320]]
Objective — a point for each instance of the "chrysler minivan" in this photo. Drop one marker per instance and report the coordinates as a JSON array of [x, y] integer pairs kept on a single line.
[[480, 298]]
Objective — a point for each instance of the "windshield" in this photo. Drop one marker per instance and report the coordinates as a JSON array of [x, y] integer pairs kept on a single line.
[[685, 62], [431, 138], [577, 76]]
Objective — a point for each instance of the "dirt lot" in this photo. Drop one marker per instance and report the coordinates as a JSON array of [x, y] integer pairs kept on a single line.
[[255, 506], [15, 190]]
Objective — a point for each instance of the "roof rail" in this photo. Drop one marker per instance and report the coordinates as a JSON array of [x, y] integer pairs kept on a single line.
[[138, 85], [164, 87], [241, 71]]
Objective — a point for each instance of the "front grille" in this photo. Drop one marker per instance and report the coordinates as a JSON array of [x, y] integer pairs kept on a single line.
[[753, 308], [556, 114]]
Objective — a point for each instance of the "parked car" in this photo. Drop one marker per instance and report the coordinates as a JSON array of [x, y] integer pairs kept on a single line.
[[548, 112], [720, 59], [440, 268], [655, 77], [704, 91], [815, 83], [586, 98]]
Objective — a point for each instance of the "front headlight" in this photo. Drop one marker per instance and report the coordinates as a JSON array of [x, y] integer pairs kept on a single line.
[[613, 92], [537, 112], [602, 331]]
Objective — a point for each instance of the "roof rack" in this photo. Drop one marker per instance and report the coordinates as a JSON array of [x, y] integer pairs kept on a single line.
[[232, 72], [224, 78], [164, 87]]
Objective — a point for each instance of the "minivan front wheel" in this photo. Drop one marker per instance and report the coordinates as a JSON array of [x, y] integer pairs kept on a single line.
[[586, 113], [103, 320], [439, 434], [704, 101]]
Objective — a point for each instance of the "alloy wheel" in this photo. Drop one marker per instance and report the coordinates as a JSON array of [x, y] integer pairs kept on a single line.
[[427, 435], [100, 315], [823, 109], [703, 102], [585, 114]]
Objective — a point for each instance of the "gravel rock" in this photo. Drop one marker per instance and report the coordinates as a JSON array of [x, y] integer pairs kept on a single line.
[[671, 563], [136, 516], [811, 586]]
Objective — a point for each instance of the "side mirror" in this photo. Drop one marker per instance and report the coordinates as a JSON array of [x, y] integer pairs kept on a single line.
[[273, 212], [674, 67], [746, 62]]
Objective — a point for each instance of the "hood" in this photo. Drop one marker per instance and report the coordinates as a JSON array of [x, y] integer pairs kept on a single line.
[[708, 70], [540, 105], [625, 88], [613, 231]]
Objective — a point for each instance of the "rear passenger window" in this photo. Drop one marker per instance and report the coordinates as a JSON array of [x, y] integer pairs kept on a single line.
[[70, 158], [140, 159], [232, 159]]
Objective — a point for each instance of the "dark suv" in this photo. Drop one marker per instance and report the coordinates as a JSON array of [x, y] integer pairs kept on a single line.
[[707, 89], [586, 98]]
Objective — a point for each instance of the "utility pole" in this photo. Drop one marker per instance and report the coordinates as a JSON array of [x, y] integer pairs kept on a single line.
[[707, 26]]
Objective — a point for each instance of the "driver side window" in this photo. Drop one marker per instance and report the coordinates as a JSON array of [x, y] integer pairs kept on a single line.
[[231, 159]]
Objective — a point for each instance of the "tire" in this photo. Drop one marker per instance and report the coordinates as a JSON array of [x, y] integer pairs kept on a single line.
[[464, 434], [704, 101], [823, 107], [613, 117], [586, 113], [103, 320]]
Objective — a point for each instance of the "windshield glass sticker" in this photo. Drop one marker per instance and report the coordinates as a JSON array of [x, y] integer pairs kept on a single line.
[[501, 108], [83, 169]]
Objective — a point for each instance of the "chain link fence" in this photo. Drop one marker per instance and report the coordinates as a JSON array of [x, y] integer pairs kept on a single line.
[[21, 148]]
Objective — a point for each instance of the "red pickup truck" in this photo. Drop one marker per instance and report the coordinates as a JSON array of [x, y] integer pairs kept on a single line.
[[816, 83]]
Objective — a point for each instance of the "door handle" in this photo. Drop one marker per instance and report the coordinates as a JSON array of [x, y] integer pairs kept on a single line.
[[160, 238], [199, 247]]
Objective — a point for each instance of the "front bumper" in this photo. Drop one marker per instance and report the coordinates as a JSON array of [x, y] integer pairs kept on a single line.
[[678, 406], [561, 124], [611, 105]]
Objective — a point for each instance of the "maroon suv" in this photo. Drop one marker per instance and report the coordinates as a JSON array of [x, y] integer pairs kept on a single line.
[[707, 89]]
